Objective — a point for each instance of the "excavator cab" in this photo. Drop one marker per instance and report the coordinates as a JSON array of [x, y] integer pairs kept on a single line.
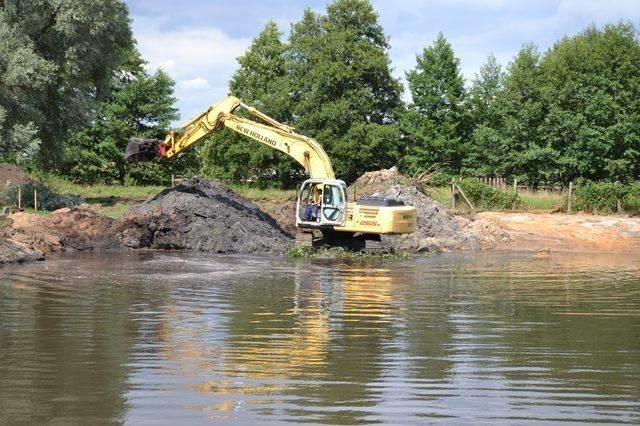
[[333, 202]]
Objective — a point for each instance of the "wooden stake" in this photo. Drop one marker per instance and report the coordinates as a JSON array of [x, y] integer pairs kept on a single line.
[[515, 185], [19, 198], [35, 200], [461, 192], [570, 196], [453, 194]]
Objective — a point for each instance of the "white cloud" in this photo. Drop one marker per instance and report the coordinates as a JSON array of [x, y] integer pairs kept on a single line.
[[200, 58], [195, 83]]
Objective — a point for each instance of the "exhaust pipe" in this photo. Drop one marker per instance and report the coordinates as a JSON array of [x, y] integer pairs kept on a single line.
[[142, 150]]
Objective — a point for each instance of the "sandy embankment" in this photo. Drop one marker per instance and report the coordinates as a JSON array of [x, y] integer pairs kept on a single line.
[[565, 232]]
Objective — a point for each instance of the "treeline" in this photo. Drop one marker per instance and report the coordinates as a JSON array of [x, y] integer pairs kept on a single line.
[[570, 113], [73, 89]]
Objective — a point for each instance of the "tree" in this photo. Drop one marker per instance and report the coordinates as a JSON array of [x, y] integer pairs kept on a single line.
[[521, 108], [57, 59], [484, 92], [592, 88], [140, 105], [342, 89], [434, 124], [487, 87], [260, 82]]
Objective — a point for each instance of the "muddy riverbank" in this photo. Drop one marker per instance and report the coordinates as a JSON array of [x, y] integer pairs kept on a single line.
[[207, 216]]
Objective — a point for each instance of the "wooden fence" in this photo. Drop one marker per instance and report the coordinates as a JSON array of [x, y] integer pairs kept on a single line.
[[505, 184]]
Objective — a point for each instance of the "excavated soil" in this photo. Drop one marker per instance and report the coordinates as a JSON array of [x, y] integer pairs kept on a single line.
[[201, 215], [11, 252], [76, 229], [12, 173], [207, 216], [437, 228]]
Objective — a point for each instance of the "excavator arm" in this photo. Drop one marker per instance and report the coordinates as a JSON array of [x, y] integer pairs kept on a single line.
[[334, 214], [272, 133]]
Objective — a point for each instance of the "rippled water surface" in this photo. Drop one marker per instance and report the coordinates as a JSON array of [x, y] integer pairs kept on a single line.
[[173, 338]]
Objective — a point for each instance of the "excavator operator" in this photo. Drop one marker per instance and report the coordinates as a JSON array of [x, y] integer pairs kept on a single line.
[[313, 205]]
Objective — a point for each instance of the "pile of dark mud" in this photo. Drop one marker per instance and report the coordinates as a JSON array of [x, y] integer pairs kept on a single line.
[[201, 215], [437, 227]]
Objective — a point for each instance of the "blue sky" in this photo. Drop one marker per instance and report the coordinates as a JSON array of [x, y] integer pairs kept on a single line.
[[197, 42]]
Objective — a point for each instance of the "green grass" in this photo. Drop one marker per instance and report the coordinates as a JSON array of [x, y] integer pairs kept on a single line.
[[531, 200], [271, 194], [63, 186], [113, 200], [540, 200], [441, 194]]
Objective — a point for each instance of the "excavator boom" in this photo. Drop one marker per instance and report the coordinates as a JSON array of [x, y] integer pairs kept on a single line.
[[322, 201], [304, 150]]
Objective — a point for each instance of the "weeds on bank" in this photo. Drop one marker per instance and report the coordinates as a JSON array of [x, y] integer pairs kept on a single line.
[[305, 252], [271, 194], [63, 186]]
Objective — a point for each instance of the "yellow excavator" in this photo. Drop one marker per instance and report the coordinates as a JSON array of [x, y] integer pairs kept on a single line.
[[332, 213]]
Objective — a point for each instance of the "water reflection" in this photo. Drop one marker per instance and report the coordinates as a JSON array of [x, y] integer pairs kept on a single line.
[[172, 338]]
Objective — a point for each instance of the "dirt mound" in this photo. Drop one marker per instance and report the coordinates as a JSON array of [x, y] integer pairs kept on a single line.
[[378, 181], [79, 228], [437, 228], [12, 173], [284, 212], [11, 252], [201, 215]]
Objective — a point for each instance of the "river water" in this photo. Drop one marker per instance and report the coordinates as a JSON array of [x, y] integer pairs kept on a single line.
[[170, 338]]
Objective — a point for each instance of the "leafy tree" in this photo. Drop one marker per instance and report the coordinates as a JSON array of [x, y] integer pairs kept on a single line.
[[57, 58], [140, 105], [484, 92], [260, 82], [592, 87], [341, 85], [486, 88], [518, 139], [434, 125]]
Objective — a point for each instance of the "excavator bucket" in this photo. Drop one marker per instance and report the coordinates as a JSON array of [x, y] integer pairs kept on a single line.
[[142, 150]]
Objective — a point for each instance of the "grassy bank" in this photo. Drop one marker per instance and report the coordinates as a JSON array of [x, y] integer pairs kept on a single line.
[[529, 200], [115, 199]]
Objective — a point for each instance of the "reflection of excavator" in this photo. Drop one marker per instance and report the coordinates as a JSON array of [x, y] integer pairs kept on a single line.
[[365, 219]]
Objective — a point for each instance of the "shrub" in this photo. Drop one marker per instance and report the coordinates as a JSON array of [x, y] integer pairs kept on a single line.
[[600, 197], [631, 201], [441, 179], [487, 197]]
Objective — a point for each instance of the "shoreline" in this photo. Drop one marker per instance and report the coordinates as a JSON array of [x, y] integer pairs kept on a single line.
[[536, 233]]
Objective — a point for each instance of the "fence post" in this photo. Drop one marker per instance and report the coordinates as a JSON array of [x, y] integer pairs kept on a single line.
[[515, 185], [619, 205], [453, 194], [35, 200], [569, 199], [19, 198], [173, 179]]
